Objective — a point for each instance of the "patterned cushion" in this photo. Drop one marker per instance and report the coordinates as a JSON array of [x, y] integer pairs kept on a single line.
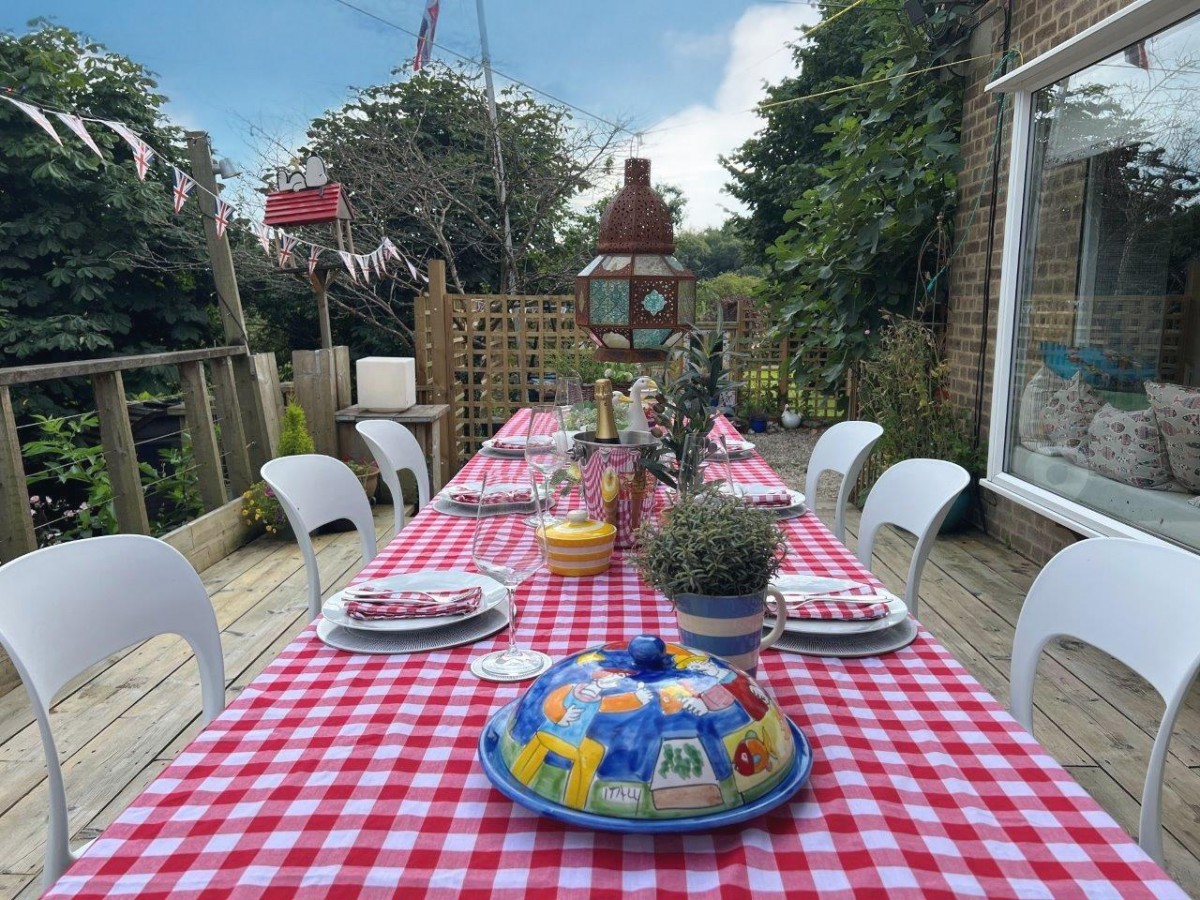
[[1177, 411], [1034, 399], [1127, 447], [1069, 412]]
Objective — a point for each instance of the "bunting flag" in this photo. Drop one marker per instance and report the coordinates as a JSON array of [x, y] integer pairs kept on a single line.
[[37, 115], [425, 36], [80, 131], [184, 185], [142, 154], [365, 265], [377, 261], [263, 233], [390, 249], [348, 261], [313, 255], [287, 244], [222, 212], [412, 269]]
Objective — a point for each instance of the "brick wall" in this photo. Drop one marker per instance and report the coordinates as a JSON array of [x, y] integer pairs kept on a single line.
[[1037, 26]]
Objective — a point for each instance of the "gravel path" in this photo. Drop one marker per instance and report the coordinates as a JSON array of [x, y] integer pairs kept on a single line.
[[787, 451]]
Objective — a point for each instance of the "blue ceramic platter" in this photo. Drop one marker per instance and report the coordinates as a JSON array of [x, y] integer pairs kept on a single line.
[[502, 778]]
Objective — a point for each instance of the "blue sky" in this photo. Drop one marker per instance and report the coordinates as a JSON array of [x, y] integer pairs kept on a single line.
[[692, 67]]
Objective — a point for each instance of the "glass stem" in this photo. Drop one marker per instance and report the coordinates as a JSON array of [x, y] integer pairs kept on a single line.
[[512, 620]]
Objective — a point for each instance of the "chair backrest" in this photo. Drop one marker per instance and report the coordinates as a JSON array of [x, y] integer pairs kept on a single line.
[[395, 449], [1134, 600], [844, 449], [315, 490], [915, 495], [65, 608]]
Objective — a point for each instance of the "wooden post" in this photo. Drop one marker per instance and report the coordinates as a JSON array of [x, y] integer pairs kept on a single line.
[[320, 287], [16, 525], [442, 368], [341, 376], [197, 411], [120, 454], [233, 434], [229, 302], [316, 392], [267, 370]]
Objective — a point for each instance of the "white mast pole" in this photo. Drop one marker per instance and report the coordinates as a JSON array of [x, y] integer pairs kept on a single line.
[[501, 184]]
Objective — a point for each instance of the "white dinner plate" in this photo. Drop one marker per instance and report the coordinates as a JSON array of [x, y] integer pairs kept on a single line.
[[738, 449], [809, 584], [505, 451], [334, 609], [796, 506]]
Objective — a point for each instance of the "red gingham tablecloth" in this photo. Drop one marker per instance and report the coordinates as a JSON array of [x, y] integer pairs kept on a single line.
[[344, 775]]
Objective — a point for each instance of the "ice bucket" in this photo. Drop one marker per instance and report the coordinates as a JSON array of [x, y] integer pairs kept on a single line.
[[617, 488]]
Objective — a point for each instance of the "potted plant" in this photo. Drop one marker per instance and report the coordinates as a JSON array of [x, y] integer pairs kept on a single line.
[[368, 475], [260, 506], [902, 387], [713, 557], [757, 407]]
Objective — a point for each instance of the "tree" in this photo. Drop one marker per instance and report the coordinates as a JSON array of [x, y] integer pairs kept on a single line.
[[92, 261], [710, 252], [849, 255], [416, 157], [770, 170]]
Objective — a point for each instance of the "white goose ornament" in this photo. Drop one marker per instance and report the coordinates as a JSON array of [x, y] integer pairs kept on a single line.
[[636, 400]]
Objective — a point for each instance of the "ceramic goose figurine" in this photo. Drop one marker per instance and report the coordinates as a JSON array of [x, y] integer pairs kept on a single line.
[[637, 411], [789, 418]]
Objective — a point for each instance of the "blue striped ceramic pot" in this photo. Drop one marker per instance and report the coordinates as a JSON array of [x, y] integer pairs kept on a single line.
[[729, 627]]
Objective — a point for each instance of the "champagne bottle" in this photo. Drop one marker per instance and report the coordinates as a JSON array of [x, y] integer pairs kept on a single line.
[[606, 423]]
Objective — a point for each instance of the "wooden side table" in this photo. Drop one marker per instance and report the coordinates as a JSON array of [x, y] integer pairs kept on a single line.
[[424, 421]]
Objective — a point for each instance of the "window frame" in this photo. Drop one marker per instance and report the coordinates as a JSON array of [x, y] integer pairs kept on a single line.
[[1137, 21]]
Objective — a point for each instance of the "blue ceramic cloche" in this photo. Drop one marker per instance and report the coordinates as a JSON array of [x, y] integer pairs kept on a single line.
[[645, 737]]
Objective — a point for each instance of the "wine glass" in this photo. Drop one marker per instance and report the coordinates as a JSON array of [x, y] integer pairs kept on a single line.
[[548, 452], [504, 549], [720, 467], [568, 393]]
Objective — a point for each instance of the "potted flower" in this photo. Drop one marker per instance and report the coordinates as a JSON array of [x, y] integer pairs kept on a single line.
[[713, 557], [368, 475], [260, 506], [757, 407]]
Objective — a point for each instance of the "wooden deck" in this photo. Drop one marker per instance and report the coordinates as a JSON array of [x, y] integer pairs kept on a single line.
[[120, 725]]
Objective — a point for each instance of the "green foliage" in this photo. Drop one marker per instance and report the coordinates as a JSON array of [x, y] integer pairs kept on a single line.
[[710, 544], [588, 368], [902, 388], [710, 252], [689, 406], [726, 286], [851, 253], [758, 404], [178, 484], [92, 261], [261, 509], [294, 438], [781, 162]]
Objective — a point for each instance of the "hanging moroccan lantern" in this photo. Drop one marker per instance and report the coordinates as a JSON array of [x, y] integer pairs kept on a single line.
[[635, 300]]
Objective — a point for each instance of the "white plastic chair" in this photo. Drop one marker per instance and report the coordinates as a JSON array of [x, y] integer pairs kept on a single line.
[[844, 449], [315, 490], [65, 608], [915, 495], [395, 449], [1136, 602]]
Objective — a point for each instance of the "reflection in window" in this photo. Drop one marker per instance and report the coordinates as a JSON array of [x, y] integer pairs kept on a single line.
[[1106, 375]]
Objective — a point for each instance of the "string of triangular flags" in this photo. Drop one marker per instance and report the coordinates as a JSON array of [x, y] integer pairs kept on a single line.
[[360, 266]]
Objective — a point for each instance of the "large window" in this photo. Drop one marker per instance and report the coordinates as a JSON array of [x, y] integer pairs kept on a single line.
[[1104, 385]]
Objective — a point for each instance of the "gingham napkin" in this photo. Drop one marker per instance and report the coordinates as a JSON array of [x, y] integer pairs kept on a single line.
[[835, 610], [463, 494], [780, 497], [508, 443], [384, 604]]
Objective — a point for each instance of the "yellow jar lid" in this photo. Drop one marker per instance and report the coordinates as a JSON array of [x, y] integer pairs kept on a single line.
[[578, 527]]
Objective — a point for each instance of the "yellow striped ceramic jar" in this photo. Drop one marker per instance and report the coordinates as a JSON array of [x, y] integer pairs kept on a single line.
[[579, 546]]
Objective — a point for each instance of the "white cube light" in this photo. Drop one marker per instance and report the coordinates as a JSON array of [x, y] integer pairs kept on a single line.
[[387, 382]]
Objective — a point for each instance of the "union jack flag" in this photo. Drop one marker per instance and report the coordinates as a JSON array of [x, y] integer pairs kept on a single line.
[[313, 255], [184, 185], [348, 261], [287, 244], [142, 154], [222, 212], [389, 249], [263, 233], [425, 36]]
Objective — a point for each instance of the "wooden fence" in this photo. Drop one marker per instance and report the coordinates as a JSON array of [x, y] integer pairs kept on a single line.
[[488, 355], [229, 444]]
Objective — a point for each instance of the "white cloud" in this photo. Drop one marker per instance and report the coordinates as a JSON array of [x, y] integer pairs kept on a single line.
[[685, 147]]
